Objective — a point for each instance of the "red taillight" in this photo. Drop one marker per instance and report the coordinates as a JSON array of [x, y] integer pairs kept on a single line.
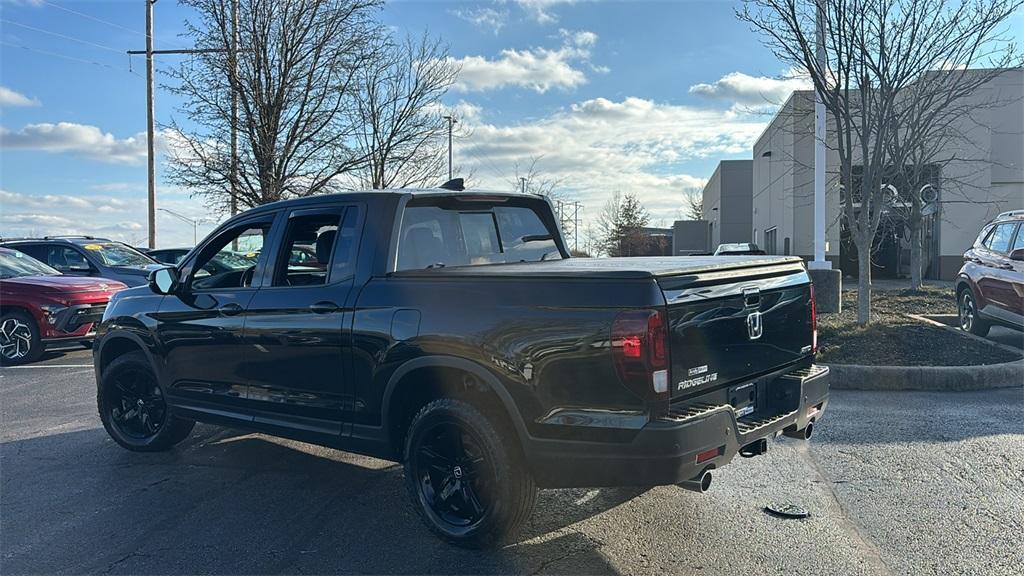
[[640, 348], [814, 323]]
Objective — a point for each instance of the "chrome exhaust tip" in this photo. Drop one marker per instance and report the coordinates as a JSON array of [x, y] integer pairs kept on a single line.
[[699, 484], [802, 434]]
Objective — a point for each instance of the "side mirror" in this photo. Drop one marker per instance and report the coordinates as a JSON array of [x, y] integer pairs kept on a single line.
[[1017, 255], [164, 280]]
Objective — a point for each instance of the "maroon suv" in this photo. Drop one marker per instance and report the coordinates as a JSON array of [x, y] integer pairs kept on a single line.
[[990, 286], [39, 306]]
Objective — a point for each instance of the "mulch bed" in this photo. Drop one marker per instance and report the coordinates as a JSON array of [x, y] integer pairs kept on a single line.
[[892, 339]]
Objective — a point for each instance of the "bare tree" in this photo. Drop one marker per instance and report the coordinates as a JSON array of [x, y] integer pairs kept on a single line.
[[403, 134], [294, 77], [693, 207], [529, 179], [877, 49], [933, 122]]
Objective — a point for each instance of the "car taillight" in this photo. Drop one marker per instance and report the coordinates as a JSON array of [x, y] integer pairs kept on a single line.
[[640, 349], [814, 323]]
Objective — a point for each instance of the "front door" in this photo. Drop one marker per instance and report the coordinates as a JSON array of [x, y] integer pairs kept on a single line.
[[201, 327], [297, 326]]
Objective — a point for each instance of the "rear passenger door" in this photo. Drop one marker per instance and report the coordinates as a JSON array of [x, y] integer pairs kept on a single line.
[[997, 292], [298, 323]]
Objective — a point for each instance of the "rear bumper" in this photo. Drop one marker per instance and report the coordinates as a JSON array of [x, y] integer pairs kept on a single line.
[[665, 451]]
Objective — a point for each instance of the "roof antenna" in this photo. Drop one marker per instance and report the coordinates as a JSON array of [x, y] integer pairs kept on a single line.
[[456, 184]]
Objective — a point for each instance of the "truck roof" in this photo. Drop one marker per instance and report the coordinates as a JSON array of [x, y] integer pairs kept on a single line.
[[611, 268], [357, 195]]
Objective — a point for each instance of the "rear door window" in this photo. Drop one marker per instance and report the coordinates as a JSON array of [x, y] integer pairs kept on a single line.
[[470, 235], [999, 239]]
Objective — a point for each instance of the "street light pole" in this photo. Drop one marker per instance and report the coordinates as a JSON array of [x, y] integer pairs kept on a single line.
[[819, 262], [193, 221]]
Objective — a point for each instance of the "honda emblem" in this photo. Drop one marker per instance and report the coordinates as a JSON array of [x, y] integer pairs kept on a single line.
[[754, 326]]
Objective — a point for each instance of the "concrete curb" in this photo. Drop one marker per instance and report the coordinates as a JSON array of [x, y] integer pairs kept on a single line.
[[937, 378]]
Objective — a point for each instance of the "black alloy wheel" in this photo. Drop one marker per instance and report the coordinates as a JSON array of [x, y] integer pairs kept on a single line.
[[466, 474], [136, 405], [133, 408], [453, 476]]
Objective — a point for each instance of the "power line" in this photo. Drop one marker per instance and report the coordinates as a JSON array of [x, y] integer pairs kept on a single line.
[[66, 57], [59, 35], [93, 18]]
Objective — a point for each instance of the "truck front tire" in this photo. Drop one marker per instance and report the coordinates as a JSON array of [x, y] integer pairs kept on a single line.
[[132, 407], [464, 476]]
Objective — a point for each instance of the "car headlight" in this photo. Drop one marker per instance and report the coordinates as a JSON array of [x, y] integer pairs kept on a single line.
[[50, 312]]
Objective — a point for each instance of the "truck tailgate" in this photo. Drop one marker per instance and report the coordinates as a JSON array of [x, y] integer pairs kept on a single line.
[[728, 327]]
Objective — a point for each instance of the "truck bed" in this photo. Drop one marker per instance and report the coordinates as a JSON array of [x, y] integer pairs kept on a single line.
[[612, 268]]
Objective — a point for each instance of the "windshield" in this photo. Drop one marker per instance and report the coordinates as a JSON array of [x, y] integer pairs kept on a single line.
[[14, 264], [470, 234], [113, 254]]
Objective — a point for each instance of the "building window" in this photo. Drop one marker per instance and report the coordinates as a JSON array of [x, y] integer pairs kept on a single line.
[[769, 241]]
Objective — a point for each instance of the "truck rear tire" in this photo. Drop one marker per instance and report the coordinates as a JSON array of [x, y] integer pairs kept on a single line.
[[465, 478]]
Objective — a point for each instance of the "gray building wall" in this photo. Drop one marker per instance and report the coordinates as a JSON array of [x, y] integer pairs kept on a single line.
[[690, 236], [980, 177], [727, 201]]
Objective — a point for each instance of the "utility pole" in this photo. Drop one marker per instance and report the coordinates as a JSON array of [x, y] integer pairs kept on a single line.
[[151, 109], [522, 184], [150, 128], [451, 122]]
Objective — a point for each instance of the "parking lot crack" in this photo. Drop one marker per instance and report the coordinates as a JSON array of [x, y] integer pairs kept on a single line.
[[849, 524]]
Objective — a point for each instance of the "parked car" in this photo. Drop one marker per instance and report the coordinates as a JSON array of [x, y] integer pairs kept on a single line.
[[738, 249], [87, 256], [40, 307], [217, 265], [453, 333], [990, 285]]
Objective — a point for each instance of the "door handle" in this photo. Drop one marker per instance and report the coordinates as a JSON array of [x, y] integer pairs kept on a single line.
[[229, 309], [324, 307]]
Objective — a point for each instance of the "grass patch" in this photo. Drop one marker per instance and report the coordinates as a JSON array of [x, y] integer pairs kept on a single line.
[[892, 339]]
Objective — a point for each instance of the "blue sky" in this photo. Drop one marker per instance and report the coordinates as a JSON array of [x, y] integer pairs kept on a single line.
[[642, 97]]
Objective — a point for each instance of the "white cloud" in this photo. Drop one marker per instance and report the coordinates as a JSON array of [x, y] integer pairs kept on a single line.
[[540, 10], [743, 90], [79, 139], [539, 69], [484, 17], [9, 97], [117, 218], [599, 146]]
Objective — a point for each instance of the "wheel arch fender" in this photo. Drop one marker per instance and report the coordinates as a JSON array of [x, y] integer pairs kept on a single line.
[[120, 339], [485, 376]]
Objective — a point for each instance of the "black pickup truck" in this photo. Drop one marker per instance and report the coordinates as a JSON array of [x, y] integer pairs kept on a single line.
[[452, 332]]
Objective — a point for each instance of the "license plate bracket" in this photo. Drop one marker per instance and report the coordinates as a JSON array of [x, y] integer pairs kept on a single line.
[[743, 399]]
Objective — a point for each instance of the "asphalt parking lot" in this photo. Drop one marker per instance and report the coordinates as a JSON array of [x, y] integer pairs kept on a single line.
[[896, 483]]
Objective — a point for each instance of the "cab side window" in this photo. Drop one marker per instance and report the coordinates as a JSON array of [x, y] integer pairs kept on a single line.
[[318, 248], [1018, 244], [230, 260]]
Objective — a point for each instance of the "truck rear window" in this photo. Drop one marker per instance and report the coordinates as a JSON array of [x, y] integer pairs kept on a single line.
[[434, 236]]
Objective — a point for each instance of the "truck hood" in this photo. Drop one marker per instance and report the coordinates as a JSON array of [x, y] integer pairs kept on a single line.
[[612, 268], [63, 284]]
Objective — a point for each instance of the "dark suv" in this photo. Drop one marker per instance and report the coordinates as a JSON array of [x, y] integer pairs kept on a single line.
[[990, 285], [87, 256]]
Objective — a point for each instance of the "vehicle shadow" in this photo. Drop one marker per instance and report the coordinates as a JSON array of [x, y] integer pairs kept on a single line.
[[230, 502]]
